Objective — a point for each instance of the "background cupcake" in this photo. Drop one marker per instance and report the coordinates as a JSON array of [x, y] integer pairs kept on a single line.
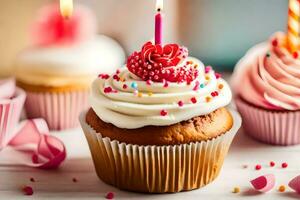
[[159, 125], [64, 58], [267, 87]]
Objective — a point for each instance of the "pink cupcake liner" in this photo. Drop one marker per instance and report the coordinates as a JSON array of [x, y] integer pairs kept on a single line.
[[60, 109], [10, 111], [272, 127]]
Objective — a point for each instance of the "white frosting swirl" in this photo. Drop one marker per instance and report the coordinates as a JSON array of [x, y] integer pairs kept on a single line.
[[125, 109]]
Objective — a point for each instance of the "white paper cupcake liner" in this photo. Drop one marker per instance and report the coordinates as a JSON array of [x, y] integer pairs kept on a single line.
[[272, 127], [158, 169], [60, 109], [10, 111]]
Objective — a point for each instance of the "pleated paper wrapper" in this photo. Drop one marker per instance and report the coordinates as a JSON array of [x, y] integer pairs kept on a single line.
[[158, 169], [272, 127], [60, 109], [10, 111]]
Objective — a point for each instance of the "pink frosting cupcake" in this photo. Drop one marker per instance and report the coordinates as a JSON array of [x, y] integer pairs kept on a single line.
[[266, 83]]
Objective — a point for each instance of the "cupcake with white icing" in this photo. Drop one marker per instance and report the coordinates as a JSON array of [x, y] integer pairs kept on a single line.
[[160, 124], [58, 68]]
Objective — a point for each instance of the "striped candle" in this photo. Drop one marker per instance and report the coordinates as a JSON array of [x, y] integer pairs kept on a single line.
[[293, 32]]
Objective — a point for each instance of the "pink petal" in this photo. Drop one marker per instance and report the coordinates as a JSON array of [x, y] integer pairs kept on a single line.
[[264, 183], [295, 184]]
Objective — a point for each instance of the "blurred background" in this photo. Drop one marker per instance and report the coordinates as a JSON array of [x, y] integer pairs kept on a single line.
[[216, 31]]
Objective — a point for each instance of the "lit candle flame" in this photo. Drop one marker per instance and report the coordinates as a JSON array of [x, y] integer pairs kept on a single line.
[[159, 5], [66, 8]]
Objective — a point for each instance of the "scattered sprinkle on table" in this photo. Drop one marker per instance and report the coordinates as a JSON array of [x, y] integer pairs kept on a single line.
[[27, 190], [281, 188], [257, 167], [236, 190], [110, 195], [284, 165]]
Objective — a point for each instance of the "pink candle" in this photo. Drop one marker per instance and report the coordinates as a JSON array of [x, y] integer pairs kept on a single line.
[[158, 22]]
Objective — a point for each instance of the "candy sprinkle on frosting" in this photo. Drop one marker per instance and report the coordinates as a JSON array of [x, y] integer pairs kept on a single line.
[[163, 112], [134, 85], [272, 164], [180, 103], [194, 100]]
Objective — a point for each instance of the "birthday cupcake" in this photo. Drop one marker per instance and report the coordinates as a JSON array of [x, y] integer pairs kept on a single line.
[[266, 83], [58, 68], [11, 105], [159, 124]]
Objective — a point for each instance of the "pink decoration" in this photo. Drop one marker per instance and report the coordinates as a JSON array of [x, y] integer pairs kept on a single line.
[[264, 183], [295, 184], [50, 28], [158, 63], [30, 142], [45, 151]]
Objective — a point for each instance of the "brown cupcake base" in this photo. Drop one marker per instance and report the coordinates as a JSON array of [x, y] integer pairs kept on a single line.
[[199, 128]]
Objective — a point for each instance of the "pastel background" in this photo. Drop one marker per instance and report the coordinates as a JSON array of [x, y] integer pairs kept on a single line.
[[216, 31]]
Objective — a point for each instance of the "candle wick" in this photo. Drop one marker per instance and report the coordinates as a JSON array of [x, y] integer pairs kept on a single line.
[[158, 9]]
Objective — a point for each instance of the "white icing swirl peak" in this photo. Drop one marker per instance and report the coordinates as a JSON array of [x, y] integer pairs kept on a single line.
[[127, 101]]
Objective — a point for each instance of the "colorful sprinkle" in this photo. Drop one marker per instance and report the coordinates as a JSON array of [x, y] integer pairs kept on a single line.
[[125, 86], [295, 55], [202, 85], [196, 87], [195, 66], [149, 82], [74, 180], [274, 42], [108, 90], [236, 190], [140, 94], [220, 86], [134, 85], [194, 100], [166, 84], [218, 75], [110, 195], [27, 190], [284, 165], [257, 167], [118, 71], [180, 103], [135, 92], [281, 188], [207, 69], [32, 179], [272, 164], [207, 99], [215, 93], [207, 78], [150, 94], [103, 76], [116, 77], [163, 112], [268, 54]]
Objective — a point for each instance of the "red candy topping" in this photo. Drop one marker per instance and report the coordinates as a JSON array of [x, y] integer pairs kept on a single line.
[[110, 195], [163, 112], [159, 63], [27, 190]]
